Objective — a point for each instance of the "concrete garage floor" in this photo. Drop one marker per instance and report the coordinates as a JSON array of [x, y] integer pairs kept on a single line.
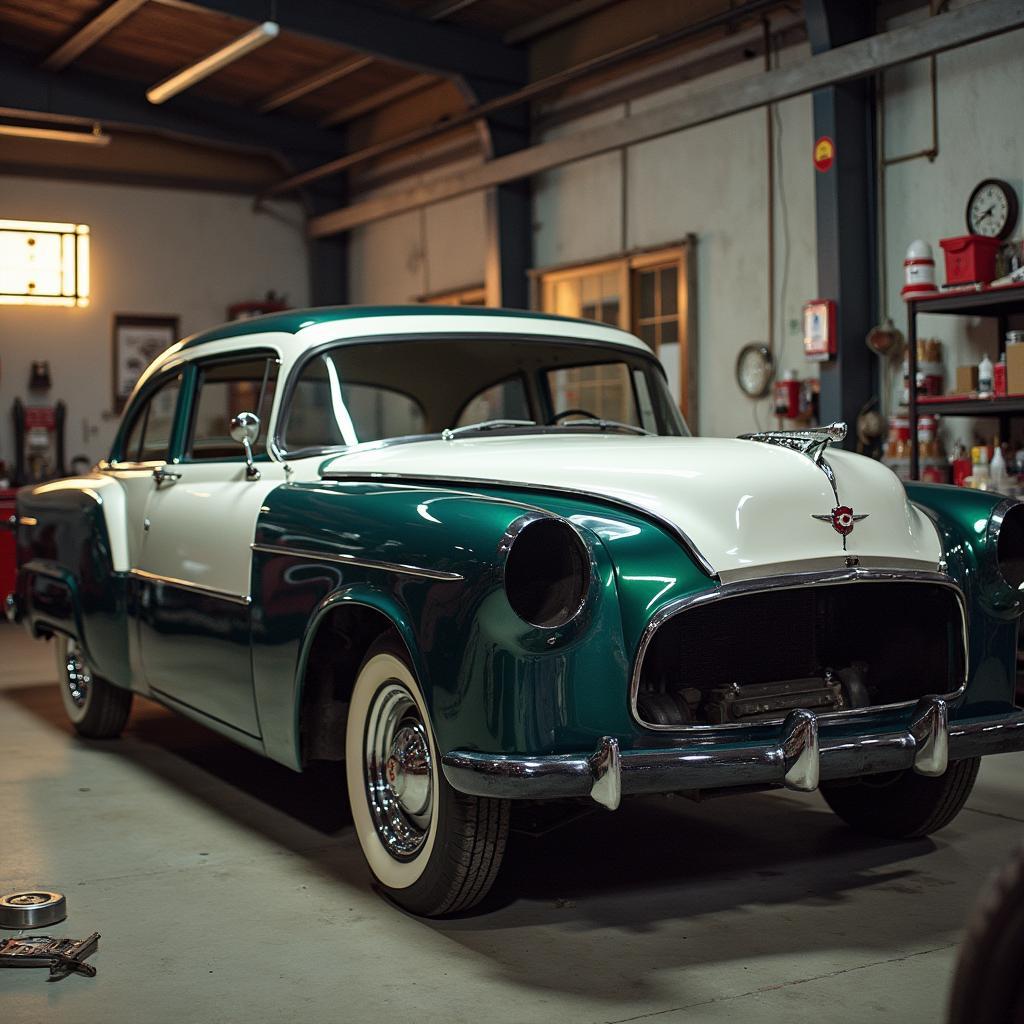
[[227, 888]]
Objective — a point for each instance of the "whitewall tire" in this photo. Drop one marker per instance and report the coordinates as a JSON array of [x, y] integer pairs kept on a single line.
[[432, 850], [94, 707]]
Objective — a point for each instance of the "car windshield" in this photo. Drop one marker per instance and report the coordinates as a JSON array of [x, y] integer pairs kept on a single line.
[[352, 393]]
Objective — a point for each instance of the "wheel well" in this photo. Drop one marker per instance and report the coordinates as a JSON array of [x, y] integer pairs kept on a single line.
[[342, 639]]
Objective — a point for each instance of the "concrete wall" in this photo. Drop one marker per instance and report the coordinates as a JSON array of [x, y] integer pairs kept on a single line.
[[154, 251], [981, 135], [711, 181]]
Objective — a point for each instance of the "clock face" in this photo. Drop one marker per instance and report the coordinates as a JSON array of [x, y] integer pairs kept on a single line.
[[992, 209], [754, 369]]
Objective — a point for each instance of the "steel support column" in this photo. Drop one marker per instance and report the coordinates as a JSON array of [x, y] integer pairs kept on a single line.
[[846, 206], [509, 224]]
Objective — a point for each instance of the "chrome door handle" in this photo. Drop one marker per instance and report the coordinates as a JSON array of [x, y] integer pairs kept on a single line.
[[160, 475]]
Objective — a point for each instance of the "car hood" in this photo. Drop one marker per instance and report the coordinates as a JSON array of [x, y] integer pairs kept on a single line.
[[745, 506]]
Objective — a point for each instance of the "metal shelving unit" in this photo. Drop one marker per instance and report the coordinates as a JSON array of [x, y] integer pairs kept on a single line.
[[998, 303]]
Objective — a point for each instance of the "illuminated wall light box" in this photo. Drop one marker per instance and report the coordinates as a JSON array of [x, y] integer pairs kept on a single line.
[[44, 263]]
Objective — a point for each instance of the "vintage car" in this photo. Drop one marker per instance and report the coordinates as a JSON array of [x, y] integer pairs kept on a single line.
[[476, 555]]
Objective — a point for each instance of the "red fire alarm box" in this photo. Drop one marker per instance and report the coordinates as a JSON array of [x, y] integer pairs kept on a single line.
[[820, 329], [970, 258]]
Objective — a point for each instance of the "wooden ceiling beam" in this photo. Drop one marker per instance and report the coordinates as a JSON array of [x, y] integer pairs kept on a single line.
[[90, 34], [375, 100], [113, 102], [313, 82], [387, 34]]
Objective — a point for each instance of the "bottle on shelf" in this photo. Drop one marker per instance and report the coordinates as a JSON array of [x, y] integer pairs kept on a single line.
[[998, 477], [985, 377]]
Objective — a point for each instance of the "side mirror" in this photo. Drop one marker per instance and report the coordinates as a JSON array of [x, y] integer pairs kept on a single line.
[[245, 428]]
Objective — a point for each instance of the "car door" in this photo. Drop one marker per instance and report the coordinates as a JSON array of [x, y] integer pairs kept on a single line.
[[195, 563]]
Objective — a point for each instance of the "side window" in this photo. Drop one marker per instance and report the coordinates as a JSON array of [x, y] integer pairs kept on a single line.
[[326, 411], [224, 390], [149, 436], [504, 401]]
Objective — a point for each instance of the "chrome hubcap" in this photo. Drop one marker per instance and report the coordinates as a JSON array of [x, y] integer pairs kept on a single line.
[[77, 677], [400, 787]]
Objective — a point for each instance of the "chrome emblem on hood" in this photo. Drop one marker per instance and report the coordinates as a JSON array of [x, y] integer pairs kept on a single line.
[[842, 520]]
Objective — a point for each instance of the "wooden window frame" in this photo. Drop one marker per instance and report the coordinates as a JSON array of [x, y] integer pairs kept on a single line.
[[683, 254]]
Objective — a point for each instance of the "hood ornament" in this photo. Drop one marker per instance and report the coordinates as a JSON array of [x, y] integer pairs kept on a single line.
[[813, 443]]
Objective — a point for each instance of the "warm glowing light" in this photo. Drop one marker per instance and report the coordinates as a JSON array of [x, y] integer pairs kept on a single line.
[[44, 263]]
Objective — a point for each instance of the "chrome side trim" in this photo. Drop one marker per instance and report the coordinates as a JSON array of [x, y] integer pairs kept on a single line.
[[199, 588], [419, 479], [691, 763], [362, 563], [856, 574]]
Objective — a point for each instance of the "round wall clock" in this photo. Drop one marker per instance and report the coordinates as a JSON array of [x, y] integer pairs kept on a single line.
[[755, 367], [992, 209]]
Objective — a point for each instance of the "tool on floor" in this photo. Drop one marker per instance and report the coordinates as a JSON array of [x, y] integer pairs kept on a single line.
[[33, 909], [63, 956]]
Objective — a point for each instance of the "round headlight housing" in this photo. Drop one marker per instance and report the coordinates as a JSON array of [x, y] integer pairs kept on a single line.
[[1010, 545], [547, 573]]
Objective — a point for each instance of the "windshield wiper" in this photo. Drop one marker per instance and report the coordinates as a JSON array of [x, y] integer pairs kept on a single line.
[[605, 425], [450, 433]]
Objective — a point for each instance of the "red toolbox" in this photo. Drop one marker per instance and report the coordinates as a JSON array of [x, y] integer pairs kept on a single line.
[[970, 258]]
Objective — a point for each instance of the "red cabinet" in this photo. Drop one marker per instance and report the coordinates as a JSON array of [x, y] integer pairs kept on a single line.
[[8, 559]]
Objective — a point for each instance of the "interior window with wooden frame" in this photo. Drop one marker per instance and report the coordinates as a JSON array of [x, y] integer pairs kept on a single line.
[[472, 295], [650, 293]]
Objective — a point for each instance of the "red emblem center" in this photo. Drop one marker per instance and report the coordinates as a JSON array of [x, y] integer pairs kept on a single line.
[[842, 520]]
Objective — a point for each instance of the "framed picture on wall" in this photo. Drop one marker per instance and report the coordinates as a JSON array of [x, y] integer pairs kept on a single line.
[[138, 340]]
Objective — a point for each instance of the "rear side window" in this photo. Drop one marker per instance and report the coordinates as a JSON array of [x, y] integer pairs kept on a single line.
[[225, 389], [149, 436]]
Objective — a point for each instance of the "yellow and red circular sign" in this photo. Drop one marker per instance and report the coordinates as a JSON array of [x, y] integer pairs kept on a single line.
[[824, 153]]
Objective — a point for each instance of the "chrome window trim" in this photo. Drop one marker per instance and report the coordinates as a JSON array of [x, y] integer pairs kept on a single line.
[[790, 581], [199, 588], [363, 563], [418, 479]]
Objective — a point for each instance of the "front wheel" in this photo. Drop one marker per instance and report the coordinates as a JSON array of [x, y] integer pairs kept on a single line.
[[432, 849], [97, 709], [902, 805]]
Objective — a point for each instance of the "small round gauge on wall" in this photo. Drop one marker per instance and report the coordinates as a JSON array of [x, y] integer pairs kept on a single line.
[[992, 209], [755, 368]]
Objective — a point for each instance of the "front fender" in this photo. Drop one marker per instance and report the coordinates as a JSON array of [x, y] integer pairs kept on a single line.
[[963, 519]]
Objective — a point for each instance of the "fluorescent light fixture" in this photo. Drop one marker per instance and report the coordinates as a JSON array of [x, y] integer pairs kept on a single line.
[[187, 77], [96, 137]]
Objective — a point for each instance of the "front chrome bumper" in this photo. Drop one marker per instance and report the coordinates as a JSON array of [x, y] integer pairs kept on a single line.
[[800, 756]]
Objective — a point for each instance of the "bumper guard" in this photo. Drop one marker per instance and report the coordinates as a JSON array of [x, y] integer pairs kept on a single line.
[[799, 758]]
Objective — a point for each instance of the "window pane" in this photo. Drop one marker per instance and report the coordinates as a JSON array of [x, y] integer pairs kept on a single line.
[[378, 412], [603, 390], [648, 333], [504, 401], [646, 296], [669, 291], [224, 391], [159, 422], [326, 412], [669, 332]]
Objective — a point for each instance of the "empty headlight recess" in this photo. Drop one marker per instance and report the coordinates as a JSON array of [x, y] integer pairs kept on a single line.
[[547, 573]]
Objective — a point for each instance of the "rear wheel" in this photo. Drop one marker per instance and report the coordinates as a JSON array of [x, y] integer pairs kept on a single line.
[[902, 805], [431, 849], [96, 708]]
